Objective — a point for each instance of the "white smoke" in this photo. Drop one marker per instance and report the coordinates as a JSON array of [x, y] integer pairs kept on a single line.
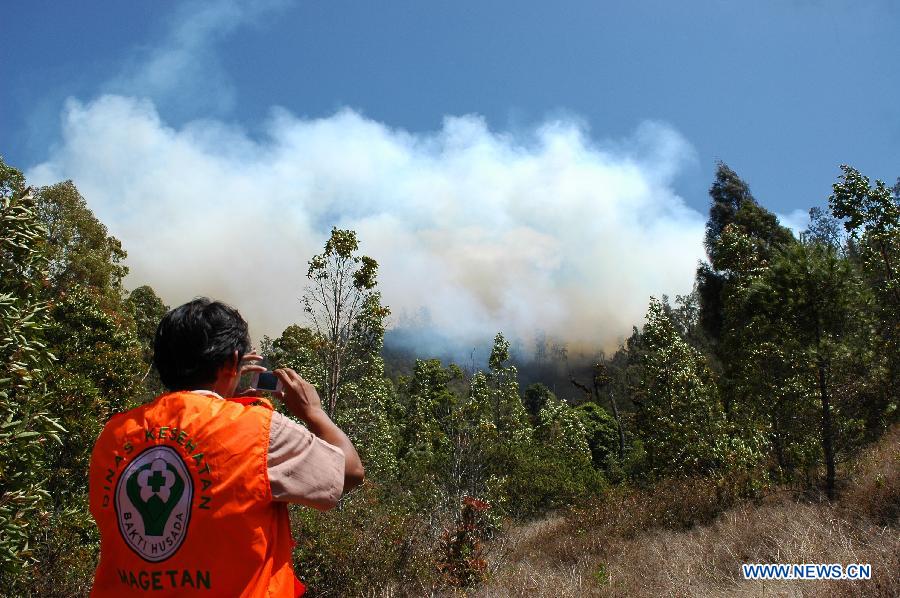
[[482, 230]]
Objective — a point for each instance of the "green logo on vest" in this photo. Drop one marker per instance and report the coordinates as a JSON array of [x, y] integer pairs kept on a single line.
[[153, 503], [155, 489]]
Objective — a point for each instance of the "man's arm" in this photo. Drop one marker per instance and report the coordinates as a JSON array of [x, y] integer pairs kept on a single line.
[[302, 400]]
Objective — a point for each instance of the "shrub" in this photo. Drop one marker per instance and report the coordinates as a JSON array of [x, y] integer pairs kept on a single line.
[[462, 562]]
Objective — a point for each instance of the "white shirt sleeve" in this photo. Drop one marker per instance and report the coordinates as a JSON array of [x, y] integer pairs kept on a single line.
[[302, 467]]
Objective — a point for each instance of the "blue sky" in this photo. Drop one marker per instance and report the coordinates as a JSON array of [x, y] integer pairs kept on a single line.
[[782, 91], [658, 91]]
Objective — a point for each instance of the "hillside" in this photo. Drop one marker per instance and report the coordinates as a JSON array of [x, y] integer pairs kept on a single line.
[[670, 542]]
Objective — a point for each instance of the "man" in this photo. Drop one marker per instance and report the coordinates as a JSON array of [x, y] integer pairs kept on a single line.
[[190, 491]]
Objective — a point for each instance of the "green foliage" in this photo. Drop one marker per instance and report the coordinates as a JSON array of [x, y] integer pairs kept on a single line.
[[429, 406], [561, 428], [27, 430], [734, 206], [366, 399], [71, 358], [601, 433], [803, 374], [147, 309], [296, 348], [601, 575], [346, 314], [741, 236], [816, 317], [446, 436], [823, 228], [341, 352], [500, 392], [538, 478], [534, 398], [98, 374], [364, 417], [371, 541], [477, 441], [680, 419], [872, 214], [729, 193], [785, 358], [868, 209], [79, 248]]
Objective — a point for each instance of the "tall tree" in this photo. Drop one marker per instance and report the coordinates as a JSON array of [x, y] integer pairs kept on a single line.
[[733, 209], [819, 317], [440, 448], [80, 249], [340, 351], [27, 429], [344, 310], [679, 416], [871, 215]]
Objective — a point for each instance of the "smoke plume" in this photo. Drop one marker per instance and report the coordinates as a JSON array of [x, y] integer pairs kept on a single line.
[[475, 231]]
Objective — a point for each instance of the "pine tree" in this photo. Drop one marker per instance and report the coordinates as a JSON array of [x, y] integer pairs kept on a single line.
[[679, 417]]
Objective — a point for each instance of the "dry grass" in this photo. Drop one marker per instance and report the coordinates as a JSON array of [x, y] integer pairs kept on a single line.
[[671, 542]]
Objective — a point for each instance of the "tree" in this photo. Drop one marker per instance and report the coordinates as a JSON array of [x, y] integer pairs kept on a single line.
[[729, 193], [75, 277], [534, 398], [345, 311], [872, 215], [561, 428], [601, 432], [147, 310], [80, 250], [296, 348], [872, 218], [796, 337], [501, 394], [821, 307], [823, 228], [679, 416], [439, 448], [26, 428], [602, 379], [340, 352], [734, 214]]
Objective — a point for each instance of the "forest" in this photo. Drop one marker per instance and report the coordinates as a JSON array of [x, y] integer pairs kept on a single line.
[[772, 385]]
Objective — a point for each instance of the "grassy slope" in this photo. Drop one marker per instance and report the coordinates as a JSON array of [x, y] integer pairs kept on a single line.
[[673, 541]]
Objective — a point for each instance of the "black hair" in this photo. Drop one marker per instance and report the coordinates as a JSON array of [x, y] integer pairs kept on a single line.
[[195, 340]]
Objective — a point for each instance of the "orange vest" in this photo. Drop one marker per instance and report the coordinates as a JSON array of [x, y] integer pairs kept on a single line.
[[180, 491]]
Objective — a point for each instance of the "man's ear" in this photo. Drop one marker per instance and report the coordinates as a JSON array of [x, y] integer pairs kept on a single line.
[[235, 362]]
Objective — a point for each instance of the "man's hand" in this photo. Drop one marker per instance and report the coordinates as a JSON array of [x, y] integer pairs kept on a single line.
[[300, 397], [248, 367], [303, 401]]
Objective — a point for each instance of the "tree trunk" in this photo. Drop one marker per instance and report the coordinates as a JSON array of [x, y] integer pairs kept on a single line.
[[615, 408], [777, 440], [827, 436]]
